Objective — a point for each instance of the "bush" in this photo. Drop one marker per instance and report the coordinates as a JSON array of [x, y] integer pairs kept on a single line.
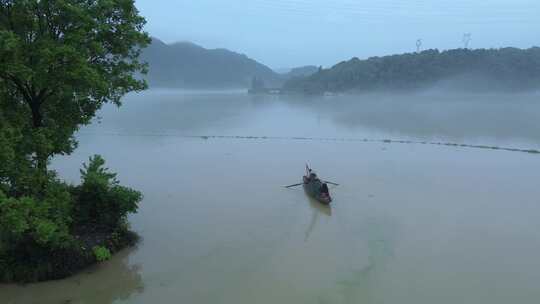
[[64, 228], [32, 222], [100, 198], [101, 253], [34, 231]]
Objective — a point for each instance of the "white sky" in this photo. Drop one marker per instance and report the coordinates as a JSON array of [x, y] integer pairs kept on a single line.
[[289, 33]]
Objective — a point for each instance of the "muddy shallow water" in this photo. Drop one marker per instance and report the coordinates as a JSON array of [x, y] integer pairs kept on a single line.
[[410, 223]]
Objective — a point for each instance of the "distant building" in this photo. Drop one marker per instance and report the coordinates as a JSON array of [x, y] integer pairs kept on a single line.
[[258, 87]]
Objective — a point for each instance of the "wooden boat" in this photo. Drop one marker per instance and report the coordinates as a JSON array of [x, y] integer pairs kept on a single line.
[[315, 188]]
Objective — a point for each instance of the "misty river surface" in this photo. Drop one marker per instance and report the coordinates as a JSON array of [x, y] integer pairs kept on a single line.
[[410, 222]]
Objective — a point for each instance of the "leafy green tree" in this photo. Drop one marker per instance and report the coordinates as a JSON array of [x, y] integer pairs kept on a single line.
[[38, 233], [60, 61], [101, 199]]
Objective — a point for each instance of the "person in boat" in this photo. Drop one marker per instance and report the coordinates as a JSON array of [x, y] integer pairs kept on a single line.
[[324, 189], [311, 175]]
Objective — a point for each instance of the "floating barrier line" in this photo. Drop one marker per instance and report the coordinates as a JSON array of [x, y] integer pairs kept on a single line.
[[335, 139]]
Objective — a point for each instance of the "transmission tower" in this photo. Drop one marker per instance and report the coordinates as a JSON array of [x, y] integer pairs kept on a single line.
[[418, 45]]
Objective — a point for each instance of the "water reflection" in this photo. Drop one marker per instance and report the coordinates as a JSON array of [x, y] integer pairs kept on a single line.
[[458, 118], [106, 283], [160, 112], [442, 115], [317, 208], [237, 238]]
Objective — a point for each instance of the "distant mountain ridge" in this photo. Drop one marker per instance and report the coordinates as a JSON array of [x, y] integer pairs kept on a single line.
[[505, 69], [302, 71], [187, 65]]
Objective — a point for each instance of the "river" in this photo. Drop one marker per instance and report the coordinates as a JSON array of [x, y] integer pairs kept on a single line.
[[416, 217]]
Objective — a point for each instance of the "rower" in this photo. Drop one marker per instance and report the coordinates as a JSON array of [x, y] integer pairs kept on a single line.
[[324, 189]]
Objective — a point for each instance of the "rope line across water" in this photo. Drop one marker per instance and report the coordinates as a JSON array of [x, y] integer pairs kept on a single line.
[[336, 139]]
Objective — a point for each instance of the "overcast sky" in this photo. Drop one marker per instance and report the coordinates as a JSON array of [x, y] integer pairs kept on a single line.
[[289, 33]]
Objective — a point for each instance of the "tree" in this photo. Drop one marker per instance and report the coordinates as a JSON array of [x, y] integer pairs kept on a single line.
[[60, 61], [506, 69]]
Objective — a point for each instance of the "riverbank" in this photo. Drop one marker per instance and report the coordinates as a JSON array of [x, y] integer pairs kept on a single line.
[[93, 245], [67, 228]]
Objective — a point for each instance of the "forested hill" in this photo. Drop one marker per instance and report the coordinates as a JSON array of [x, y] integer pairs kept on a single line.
[[302, 71], [186, 65], [508, 69]]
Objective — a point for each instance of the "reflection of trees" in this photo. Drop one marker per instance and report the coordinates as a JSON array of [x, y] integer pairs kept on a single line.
[[105, 283], [124, 281], [449, 115], [175, 112]]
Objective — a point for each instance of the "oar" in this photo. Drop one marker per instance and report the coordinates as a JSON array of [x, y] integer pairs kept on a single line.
[[331, 183], [290, 186]]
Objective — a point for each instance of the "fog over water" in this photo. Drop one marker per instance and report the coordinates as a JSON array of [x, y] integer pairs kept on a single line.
[[410, 223], [490, 119]]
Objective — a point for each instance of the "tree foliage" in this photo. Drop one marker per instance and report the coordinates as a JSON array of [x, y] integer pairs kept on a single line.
[[101, 253], [483, 69], [101, 199], [60, 61], [26, 221], [38, 232]]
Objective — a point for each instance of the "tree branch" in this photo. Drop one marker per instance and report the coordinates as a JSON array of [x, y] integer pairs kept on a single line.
[[44, 94], [20, 86]]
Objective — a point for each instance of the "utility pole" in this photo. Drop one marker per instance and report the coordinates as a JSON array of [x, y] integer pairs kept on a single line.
[[418, 45], [466, 39]]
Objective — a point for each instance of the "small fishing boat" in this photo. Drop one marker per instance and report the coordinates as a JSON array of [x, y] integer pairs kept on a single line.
[[316, 188]]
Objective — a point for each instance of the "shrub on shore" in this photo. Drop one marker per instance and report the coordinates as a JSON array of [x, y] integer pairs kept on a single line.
[[69, 228]]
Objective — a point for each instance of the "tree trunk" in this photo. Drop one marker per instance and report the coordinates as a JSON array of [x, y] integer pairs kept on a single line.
[[37, 123], [37, 118]]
